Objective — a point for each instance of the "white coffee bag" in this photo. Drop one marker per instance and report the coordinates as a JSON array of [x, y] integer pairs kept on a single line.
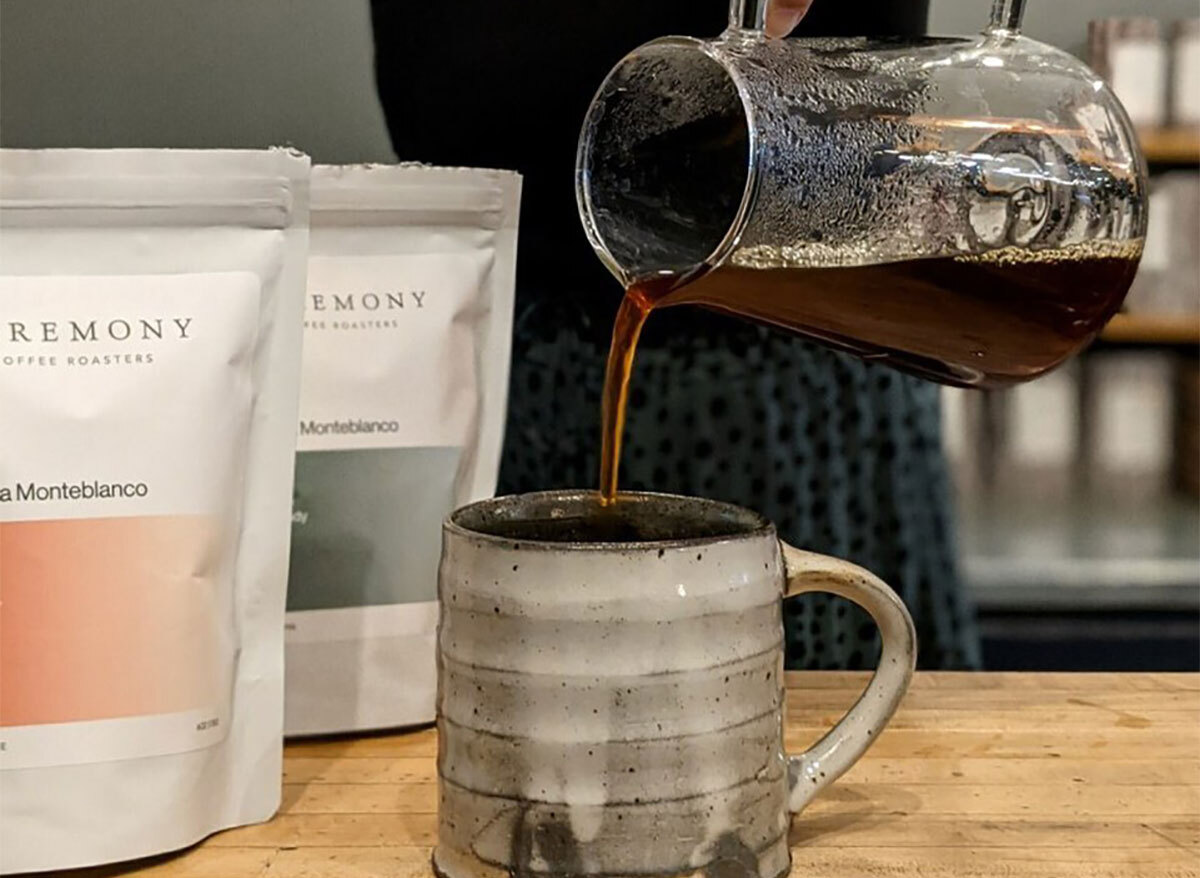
[[151, 305], [406, 351]]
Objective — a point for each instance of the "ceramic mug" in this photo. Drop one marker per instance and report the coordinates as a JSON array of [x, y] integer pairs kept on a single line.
[[611, 693]]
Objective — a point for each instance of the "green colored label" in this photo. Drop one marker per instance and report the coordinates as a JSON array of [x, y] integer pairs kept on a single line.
[[366, 526]]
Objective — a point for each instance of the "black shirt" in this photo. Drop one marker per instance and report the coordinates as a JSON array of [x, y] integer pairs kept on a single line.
[[837, 452]]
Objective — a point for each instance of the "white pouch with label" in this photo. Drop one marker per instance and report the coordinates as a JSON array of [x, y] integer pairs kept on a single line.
[[406, 353], [151, 305]]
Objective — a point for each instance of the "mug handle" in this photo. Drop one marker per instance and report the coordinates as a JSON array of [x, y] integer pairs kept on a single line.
[[826, 761]]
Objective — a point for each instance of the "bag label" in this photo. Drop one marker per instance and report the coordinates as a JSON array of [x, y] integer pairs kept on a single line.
[[388, 344], [389, 398], [127, 404]]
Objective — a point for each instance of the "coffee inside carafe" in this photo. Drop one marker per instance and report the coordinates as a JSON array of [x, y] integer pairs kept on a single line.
[[1008, 314]]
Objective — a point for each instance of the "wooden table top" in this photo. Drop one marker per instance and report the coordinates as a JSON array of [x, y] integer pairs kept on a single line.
[[1013, 775]]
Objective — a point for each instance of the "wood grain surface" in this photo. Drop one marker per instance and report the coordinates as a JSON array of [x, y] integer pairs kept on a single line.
[[1171, 145], [1005, 775]]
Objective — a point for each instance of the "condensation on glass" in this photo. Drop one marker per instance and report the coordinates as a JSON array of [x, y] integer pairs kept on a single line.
[[778, 158]]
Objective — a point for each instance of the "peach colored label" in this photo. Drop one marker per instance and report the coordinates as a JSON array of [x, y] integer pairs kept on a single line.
[[127, 407], [108, 619]]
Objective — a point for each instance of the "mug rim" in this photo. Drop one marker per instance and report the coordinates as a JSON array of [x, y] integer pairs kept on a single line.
[[745, 524]]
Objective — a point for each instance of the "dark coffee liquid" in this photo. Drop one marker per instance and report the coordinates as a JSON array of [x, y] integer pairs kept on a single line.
[[578, 517], [611, 525], [640, 299], [976, 321]]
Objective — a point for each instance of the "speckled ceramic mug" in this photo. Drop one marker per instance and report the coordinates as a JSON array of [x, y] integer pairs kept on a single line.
[[610, 688]]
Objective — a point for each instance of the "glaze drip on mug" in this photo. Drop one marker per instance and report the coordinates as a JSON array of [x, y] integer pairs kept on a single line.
[[625, 722]]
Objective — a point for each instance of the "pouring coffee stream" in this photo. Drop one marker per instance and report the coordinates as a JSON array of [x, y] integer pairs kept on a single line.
[[968, 210]]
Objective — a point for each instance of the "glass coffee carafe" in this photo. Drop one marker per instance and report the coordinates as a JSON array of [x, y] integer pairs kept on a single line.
[[968, 209]]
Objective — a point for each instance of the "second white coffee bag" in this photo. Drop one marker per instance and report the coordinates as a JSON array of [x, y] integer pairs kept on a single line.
[[403, 392]]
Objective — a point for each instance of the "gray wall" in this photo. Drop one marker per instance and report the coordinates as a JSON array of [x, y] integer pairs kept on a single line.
[[260, 72], [198, 73]]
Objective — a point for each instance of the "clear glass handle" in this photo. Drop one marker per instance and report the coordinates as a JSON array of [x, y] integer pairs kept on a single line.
[[1006, 17], [748, 14], [752, 15]]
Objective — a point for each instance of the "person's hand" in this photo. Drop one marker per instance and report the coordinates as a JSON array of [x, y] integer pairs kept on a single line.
[[784, 15]]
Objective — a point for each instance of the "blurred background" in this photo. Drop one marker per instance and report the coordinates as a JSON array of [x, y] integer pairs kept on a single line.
[[1078, 495]]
